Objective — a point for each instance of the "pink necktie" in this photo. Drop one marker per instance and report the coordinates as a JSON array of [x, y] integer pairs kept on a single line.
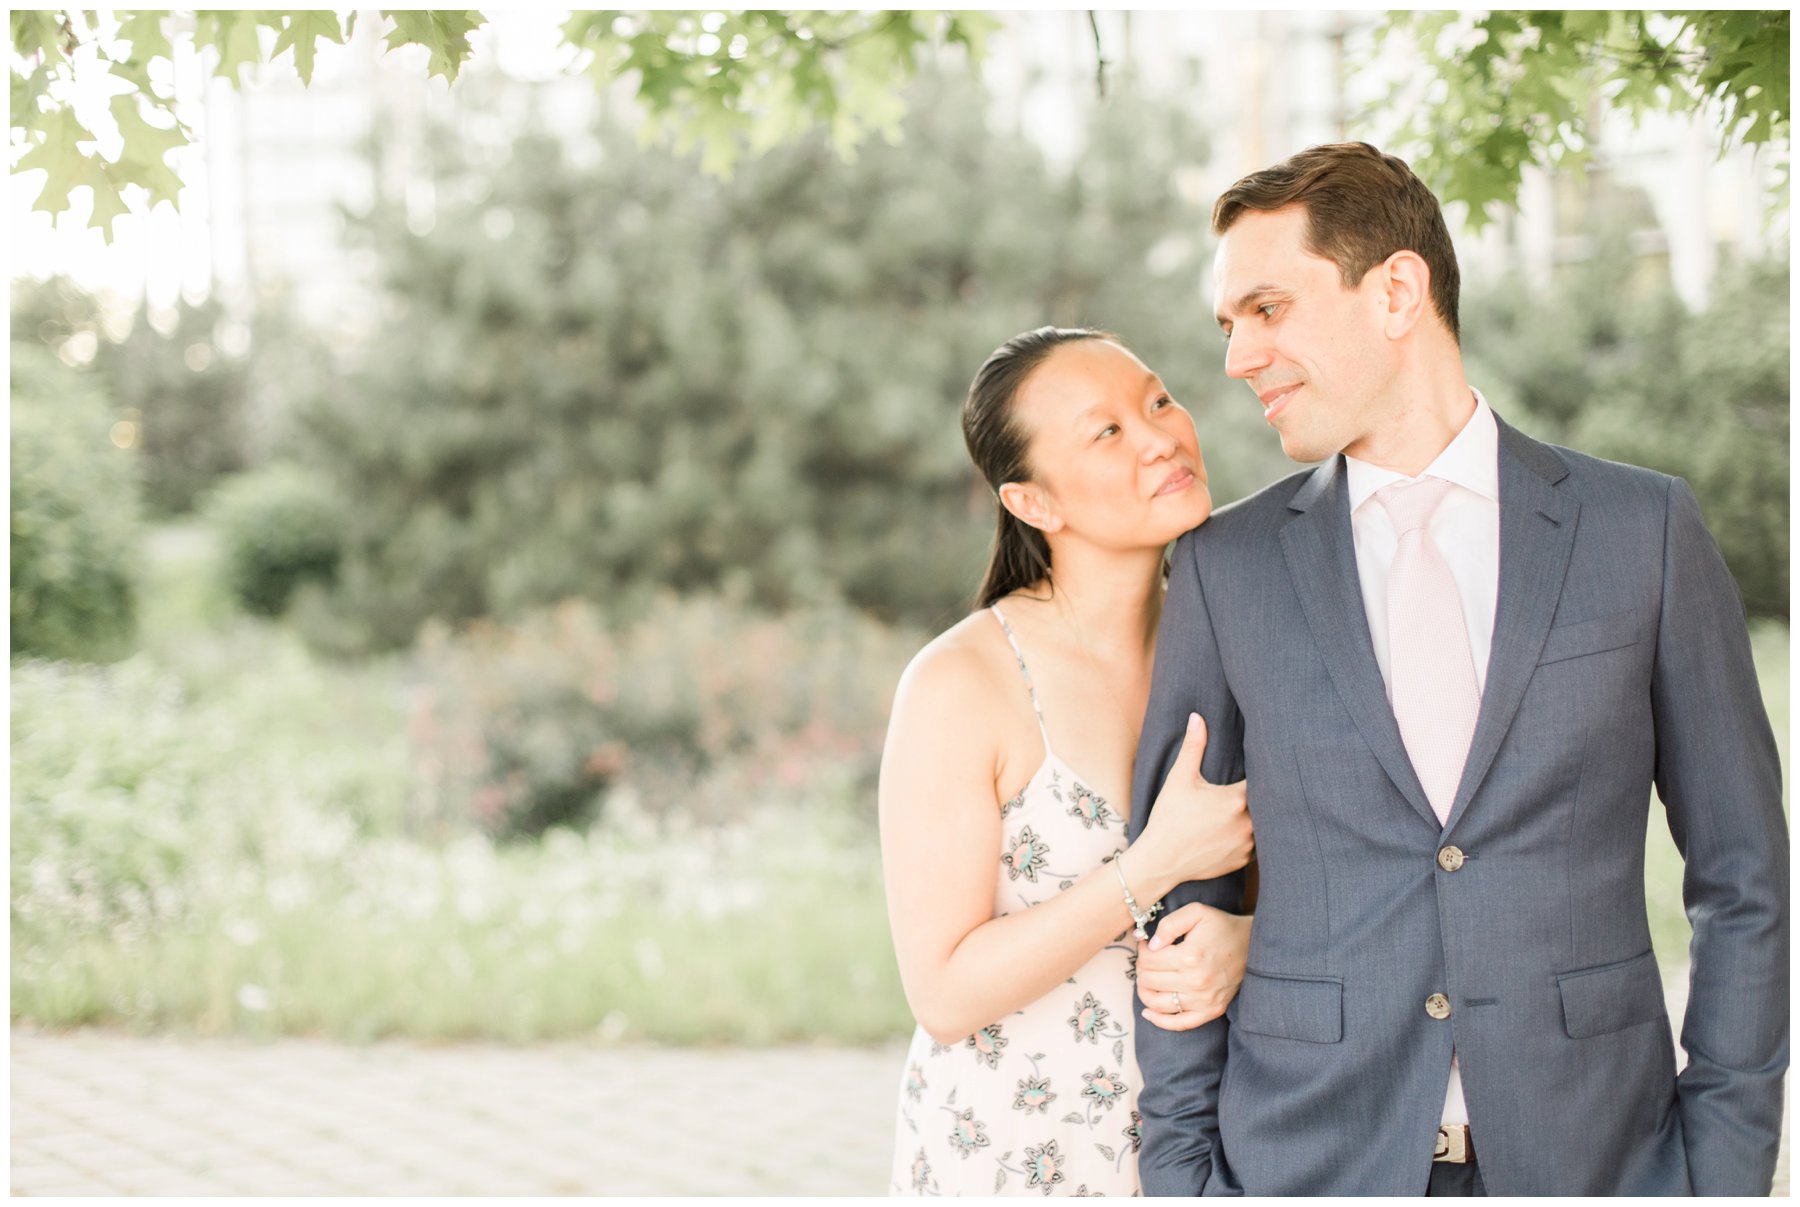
[[1431, 675]]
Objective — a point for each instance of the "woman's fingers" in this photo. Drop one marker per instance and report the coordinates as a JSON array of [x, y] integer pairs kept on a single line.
[[1187, 1020]]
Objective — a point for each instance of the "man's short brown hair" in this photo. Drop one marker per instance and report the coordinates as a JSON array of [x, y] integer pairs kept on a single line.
[[1361, 207]]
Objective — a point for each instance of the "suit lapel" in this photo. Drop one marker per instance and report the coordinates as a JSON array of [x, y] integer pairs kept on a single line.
[[1321, 559], [1537, 534]]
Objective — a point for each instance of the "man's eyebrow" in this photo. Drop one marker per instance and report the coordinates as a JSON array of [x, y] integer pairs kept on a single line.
[[1249, 299]]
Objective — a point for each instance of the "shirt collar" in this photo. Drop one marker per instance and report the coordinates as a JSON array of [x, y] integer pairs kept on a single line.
[[1471, 460]]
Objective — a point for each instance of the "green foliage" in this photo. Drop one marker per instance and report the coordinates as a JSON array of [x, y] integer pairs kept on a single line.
[[519, 728], [237, 838], [444, 32], [634, 378], [1618, 367], [282, 529], [733, 81], [729, 80], [186, 395], [75, 532], [1517, 89], [305, 30]]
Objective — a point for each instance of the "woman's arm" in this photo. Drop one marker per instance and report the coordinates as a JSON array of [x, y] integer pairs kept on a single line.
[[962, 967]]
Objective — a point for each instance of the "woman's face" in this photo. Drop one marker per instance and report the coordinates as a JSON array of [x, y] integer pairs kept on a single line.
[[1116, 461]]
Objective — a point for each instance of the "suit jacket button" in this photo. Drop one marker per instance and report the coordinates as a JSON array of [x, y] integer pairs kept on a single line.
[[1450, 858], [1438, 1006]]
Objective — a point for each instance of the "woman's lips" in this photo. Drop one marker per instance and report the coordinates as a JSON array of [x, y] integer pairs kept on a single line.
[[1178, 482]]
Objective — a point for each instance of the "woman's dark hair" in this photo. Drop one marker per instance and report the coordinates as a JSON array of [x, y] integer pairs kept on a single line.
[[997, 442]]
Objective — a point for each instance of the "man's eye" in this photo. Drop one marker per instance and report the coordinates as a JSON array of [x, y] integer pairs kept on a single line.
[[1106, 431], [1268, 309], [1160, 403]]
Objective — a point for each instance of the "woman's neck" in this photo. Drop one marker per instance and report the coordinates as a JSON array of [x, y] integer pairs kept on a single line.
[[1111, 600]]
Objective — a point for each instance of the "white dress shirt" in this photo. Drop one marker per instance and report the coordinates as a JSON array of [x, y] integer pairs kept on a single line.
[[1466, 531]]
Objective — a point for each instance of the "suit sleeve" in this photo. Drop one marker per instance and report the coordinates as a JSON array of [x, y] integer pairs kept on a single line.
[[1718, 773], [1181, 1069]]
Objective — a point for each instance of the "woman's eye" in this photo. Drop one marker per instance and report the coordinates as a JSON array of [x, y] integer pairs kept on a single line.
[[1160, 403]]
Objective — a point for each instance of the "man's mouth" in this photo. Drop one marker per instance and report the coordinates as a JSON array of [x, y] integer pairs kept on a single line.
[[1275, 398]]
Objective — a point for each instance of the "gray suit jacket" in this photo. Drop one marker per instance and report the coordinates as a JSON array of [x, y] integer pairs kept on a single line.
[[1619, 659]]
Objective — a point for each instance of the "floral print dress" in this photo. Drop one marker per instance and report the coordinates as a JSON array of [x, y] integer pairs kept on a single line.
[[1043, 1100]]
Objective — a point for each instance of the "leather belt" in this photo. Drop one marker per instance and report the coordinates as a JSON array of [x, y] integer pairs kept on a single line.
[[1454, 1145]]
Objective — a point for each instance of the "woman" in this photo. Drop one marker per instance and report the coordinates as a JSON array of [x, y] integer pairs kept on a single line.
[[1005, 785]]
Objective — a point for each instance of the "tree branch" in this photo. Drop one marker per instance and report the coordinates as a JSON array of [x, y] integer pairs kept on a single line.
[[1099, 55]]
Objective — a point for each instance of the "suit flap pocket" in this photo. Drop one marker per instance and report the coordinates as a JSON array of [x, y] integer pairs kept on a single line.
[[1291, 1007], [1611, 997], [1594, 636]]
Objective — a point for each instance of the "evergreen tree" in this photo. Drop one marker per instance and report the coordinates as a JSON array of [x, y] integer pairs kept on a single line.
[[637, 377]]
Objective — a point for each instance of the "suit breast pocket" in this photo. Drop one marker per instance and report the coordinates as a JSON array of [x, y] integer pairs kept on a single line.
[[1303, 1008], [1585, 637]]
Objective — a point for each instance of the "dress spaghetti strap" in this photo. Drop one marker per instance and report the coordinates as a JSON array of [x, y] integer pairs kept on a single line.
[[1025, 671]]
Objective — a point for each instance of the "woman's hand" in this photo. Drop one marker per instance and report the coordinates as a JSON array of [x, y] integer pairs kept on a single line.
[[1187, 983], [1196, 830]]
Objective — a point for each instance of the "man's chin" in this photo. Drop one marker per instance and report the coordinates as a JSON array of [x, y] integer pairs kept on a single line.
[[1298, 448]]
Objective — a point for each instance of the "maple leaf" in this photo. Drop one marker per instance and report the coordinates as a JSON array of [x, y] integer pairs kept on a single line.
[[59, 158], [144, 30], [444, 32], [143, 159], [233, 34], [37, 30], [302, 33], [108, 203]]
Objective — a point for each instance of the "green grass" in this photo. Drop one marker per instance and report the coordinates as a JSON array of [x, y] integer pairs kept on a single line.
[[214, 837], [799, 955], [1669, 929]]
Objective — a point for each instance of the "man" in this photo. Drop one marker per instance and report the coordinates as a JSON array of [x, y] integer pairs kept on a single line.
[[1450, 662]]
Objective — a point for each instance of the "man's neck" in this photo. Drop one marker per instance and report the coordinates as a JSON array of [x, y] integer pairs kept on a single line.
[[1429, 410]]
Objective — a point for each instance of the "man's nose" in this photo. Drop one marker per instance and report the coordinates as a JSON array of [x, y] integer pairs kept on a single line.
[[1245, 354]]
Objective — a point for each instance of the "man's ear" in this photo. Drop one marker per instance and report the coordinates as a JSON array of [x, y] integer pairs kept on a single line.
[[1027, 502], [1406, 280]]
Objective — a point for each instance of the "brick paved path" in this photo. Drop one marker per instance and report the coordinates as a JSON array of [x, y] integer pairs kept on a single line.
[[98, 1112]]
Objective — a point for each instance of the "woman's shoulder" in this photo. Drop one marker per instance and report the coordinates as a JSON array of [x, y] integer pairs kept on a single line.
[[967, 666]]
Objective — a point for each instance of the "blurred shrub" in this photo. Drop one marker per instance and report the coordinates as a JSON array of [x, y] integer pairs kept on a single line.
[[75, 531], [624, 379], [1618, 367], [697, 707], [186, 388], [281, 528], [209, 388]]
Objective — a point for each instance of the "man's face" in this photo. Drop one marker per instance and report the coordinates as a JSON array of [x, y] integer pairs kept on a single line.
[[1315, 353]]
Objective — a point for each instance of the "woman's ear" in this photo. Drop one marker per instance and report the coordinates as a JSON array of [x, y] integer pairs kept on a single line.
[[1028, 504]]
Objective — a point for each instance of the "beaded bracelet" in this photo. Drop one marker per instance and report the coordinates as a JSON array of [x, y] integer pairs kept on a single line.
[[1139, 916]]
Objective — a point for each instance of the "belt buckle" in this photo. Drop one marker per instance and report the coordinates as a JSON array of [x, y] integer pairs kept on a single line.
[[1453, 1144]]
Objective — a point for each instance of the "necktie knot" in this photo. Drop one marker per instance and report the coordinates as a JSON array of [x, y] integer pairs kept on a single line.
[[1411, 504]]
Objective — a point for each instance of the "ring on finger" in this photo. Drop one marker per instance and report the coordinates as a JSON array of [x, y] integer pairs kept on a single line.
[[1177, 1001]]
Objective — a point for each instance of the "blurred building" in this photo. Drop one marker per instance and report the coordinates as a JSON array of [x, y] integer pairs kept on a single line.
[[1272, 83], [280, 164]]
